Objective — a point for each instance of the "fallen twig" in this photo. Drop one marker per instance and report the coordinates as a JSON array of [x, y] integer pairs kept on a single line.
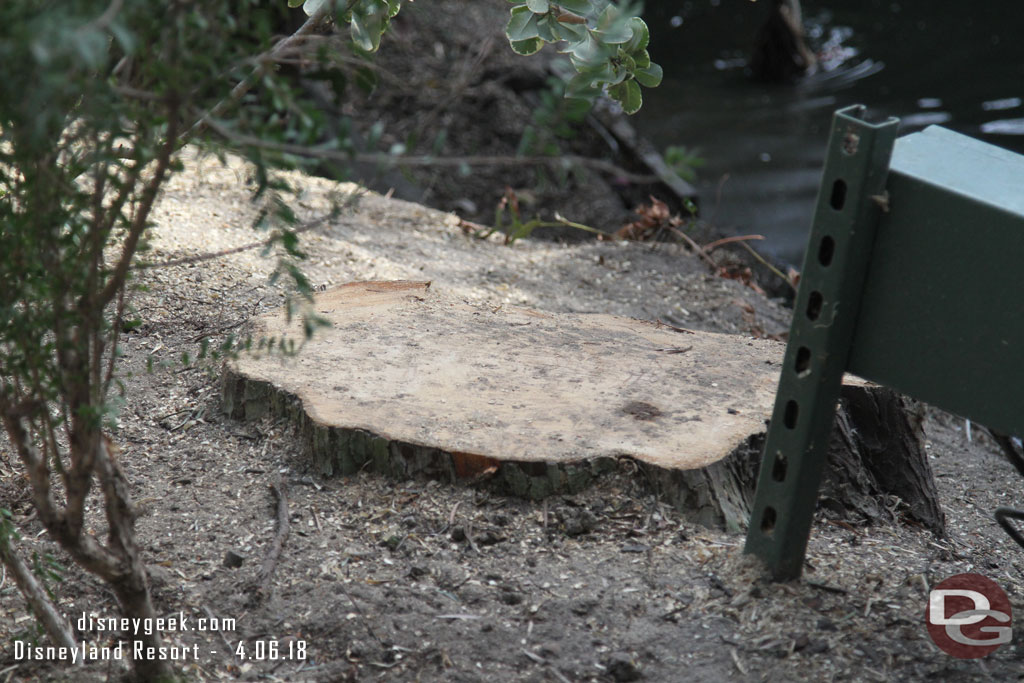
[[426, 160], [769, 266], [729, 240], [662, 323], [270, 560], [469, 536], [451, 517], [696, 247], [557, 674], [223, 638], [309, 225], [675, 349], [737, 662]]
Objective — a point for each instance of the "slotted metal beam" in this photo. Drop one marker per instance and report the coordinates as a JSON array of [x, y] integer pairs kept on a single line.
[[850, 201]]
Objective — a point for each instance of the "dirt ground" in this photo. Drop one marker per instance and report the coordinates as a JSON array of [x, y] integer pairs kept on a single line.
[[429, 580], [434, 581]]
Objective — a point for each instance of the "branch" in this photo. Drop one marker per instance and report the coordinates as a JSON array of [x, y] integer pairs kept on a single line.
[[115, 337], [265, 587], [101, 22], [778, 273], [141, 217], [56, 627], [262, 63], [117, 500], [711, 246], [427, 160], [86, 550], [316, 222], [693, 245], [34, 462]]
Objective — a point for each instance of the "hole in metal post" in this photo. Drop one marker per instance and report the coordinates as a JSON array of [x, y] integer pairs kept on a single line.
[[851, 141], [803, 361], [768, 521], [814, 303], [826, 250], [838, 197], [779, 467], [790, 416]]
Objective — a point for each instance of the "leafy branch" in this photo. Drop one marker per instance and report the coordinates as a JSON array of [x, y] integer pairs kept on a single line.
[[606, 41]]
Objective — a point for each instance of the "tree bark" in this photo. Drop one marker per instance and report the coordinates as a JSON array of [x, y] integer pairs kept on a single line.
[[878, 470], [42, 607], [118, 562], [130, 584]]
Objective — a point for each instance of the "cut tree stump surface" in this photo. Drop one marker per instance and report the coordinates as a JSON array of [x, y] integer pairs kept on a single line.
[[404, 362]]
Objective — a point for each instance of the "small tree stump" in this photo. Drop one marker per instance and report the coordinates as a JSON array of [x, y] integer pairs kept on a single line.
[[409, 382]]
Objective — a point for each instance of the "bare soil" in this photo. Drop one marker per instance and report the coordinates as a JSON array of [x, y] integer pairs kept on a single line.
[[429, 580]]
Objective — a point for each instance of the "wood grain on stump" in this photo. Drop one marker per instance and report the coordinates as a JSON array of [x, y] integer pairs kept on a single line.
[[410, 382]]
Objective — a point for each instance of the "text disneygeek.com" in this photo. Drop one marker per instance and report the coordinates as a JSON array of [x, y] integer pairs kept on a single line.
[[121, 640]]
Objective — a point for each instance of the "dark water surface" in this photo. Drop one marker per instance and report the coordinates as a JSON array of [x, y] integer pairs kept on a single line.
[[957, 64]]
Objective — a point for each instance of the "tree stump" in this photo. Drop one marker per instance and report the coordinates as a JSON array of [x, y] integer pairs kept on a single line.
[[409, 382]]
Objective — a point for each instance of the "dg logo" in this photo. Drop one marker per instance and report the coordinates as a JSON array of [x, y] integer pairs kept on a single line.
[[969, 616]]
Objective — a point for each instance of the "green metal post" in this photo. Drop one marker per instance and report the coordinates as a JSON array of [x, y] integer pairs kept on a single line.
[[849, 203]]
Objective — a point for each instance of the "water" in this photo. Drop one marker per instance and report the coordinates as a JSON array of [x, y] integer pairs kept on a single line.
[[957, 64]]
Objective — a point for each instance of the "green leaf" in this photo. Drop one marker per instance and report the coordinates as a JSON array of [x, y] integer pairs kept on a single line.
[[683, 161], [588, 53], [538, 6], [627, 63], [580, 7], [290, 241], [641, 35], [366, 79], [628, 95], [612, 27], [582, 87], [522, 26], [546, 29], [124, 37], [649, 77], [367, 30], [91, 46], [294, 3], [569, 32], [311, 7], [527, 47]]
